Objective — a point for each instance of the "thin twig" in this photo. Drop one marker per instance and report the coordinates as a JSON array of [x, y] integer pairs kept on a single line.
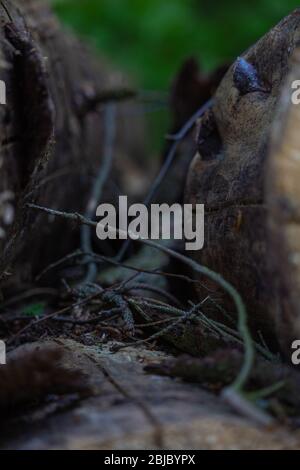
[[203, 270], [100, 259], [244, 407], [106, 96], [157, 323], [166, 166], [103, 174], [121, 303], [156, 290], [191, 122], [50, 316], [215, 327], [56, 264], [266, 392], [162, 332], [104, 315]]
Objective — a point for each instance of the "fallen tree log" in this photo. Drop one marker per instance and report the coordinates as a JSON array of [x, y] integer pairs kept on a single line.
[[230, 175], [283, 199], [127, 409], [52, 132]]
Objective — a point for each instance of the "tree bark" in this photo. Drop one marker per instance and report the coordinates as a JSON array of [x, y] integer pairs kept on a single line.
[[230, 175], [52, 132], [283, 198], [128, 409]]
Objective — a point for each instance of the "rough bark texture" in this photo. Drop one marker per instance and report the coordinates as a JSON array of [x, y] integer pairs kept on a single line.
[[229, 174], [131, 410], [283, 197], [51, 133]]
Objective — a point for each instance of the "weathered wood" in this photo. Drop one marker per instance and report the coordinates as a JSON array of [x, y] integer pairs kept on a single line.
[[229, 176], [283, 198], [52, 132], [132, 410]]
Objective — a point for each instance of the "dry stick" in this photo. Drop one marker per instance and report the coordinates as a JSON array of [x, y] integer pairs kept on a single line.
[[104, 315], [101, 259], [264, 350], [58, 263], [52, 177], [244, 407], [231, 333], [156, 323], [159, 305], [104, 171], [50, 316], [265, 392], [121, 94], [107, 96], [213, 326], [190, 123], [156, 290], [203, 270], [121, 303], [166, 166], [200, 317], [111, 296], [186, 316], [232, 394]]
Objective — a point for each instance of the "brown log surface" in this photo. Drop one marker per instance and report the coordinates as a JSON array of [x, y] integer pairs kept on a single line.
[[52, 131], [132, 410], [283, 196], [229, 176]]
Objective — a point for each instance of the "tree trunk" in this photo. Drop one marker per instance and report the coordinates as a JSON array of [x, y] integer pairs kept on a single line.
[[230, 175], [125, 408], [52, 132], [283, 198]]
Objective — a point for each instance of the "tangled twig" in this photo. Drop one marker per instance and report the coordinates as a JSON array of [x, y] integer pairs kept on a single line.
[[104, 170], [203, 270], [167, 165], [165, 330]]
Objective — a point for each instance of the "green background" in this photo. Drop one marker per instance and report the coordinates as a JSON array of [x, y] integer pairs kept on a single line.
[[150, 38]]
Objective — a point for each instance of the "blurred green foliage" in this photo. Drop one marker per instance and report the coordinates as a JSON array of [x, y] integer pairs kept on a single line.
[[151, 38], [35, 309]]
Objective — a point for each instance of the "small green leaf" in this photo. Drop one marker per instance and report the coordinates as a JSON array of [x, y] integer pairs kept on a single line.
[[34, 310]]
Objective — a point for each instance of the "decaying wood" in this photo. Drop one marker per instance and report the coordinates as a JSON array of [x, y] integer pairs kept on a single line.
[[219, 370], [31, 375], [132, 410], [283, 197], [52, 131], [229, 175]]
